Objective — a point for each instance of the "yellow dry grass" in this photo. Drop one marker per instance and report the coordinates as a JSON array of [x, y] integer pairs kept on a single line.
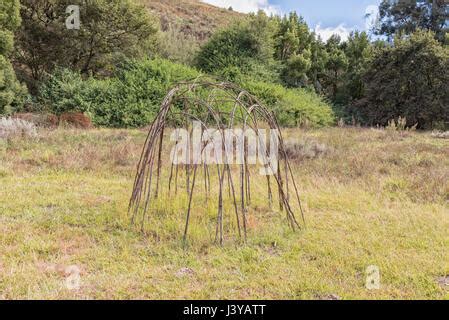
[[374, 198]]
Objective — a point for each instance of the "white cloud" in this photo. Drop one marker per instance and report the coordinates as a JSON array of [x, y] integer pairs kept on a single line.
[[372, 16], [246, 6], [326, 33]]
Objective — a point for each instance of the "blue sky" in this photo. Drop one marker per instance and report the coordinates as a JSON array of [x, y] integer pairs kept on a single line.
[[324, 16]]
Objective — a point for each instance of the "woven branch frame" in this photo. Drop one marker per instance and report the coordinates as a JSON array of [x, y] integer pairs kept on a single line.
[[203, 100]]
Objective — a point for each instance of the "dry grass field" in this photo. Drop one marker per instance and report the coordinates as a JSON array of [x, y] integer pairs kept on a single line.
[[371, 197], [198, 19]]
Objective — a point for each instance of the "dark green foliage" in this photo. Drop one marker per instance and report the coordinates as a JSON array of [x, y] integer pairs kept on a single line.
[[373, 82], [294, 73], [109, 30], [129, 99], [293, 42], [293, 107], [409, 79], [12, 93], [133, 96], [247, 46], [335, 68], [358, 51], [318, 64], [407, 16], [66, 91], [138, 91], [9, 21], [293, 36]]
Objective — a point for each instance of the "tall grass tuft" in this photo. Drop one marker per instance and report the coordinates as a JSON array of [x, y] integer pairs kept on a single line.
[[305, 149], [10, 128]]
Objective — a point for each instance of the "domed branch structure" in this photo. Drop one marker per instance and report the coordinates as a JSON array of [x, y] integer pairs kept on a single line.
[[216, 108]]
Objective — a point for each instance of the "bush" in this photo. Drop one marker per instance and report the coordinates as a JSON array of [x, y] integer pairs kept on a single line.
[[246, 46], [137, 92], [133, 97], [130, 99], [293, 107], [66, 91], [12, 93]]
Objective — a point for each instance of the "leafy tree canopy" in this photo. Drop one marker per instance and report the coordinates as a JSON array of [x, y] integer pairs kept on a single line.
[[245, 47], [12, 93], [108, 29], [409, 79], [407, 16]]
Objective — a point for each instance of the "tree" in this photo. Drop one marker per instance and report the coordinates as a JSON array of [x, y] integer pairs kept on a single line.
[[293, 36], [318, 60], [108, 29], [246, 47], [358, 51], [407, 16], [335, 67], [295, 69], [293, 48], [12, 93], [409, 79]]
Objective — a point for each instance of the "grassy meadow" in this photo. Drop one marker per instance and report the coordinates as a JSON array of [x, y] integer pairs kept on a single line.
[[371, 197]]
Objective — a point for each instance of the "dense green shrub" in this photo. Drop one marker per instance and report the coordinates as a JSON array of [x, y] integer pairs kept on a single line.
[[12, 93], [129, 99], [66, 91], [293, 107], [133, 97], [246, 46], [137, 91]]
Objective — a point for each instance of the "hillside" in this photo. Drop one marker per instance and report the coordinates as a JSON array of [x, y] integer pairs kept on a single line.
[[194, 17]]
